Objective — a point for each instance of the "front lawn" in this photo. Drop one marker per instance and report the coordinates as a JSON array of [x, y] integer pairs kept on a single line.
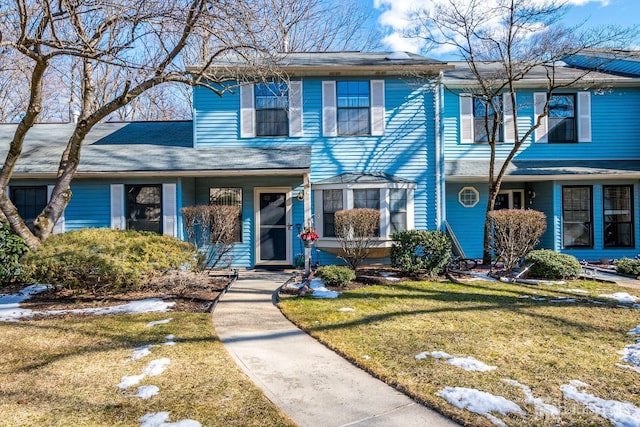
[[529, 346], [66, 372]]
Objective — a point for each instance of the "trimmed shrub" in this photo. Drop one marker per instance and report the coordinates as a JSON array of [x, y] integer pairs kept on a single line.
[[548, 264], [421, 251], [516, 232], [336, 275], [12, 247], [628, 266], [356, 232], [102, 260]]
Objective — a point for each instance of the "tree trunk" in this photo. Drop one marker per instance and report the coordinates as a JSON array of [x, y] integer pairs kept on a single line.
[[486, 253]]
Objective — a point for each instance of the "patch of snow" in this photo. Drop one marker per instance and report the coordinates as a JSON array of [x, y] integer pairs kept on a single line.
[[629, 367], [389, 276], [623, 306], [635, 331], [159, 322], [10, 310], [532, 298], [156, 367], [480, 402], [147, 391], [366, 357], [541, 408], [578, 291], [434, 354], [563, 300], [631, 355], [620, 414], [470, 364], [319, 290], [159, 419], [636, 306], [130, 381], [140, 352], [346, 310], [621, 297], [466, 363], [169, 340]]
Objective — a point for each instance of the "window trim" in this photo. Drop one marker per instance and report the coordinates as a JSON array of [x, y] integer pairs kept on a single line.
[[474, 191], [347, 203], [631, 216], [591, 227], [582, 117]]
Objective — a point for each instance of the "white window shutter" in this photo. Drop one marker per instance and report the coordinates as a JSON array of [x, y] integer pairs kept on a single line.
[[584, 117], [117, 207], [508, 119], [295, 108], [169, 210], [59, 227], [466, 118], [539, 101], [247, 112], [377, 107], [329, 109]]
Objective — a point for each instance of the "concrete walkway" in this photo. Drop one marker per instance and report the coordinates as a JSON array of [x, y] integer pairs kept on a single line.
[[310, 383]]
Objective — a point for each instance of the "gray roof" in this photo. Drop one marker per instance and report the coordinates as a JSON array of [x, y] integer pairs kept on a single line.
[[364, 178], [461, 75], [159, 148], [330, 63], [532, 170]]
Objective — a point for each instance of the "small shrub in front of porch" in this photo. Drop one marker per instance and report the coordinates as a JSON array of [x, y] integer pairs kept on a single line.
[[420, 251], [628, 266], [516, 232], [356, 232], [548, 264], [12, 247], [336, 275]]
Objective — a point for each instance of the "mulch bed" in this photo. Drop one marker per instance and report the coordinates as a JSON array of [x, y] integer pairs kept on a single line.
[[194, 296]]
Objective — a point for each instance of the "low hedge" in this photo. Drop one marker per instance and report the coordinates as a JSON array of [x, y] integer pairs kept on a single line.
[[420, 251], [12, 247], [336, 275], [628, 266], [548, 264], [102, 260]]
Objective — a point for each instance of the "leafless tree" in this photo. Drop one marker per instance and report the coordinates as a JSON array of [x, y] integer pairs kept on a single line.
[[127, 47], [517, 37]]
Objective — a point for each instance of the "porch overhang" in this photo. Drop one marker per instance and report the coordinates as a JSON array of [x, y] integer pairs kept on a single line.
[[544, 170]]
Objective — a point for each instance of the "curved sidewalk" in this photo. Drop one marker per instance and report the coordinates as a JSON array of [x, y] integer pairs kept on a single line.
[[309, 382]]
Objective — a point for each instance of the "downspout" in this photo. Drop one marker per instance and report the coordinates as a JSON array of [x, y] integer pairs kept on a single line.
[[441, 211]]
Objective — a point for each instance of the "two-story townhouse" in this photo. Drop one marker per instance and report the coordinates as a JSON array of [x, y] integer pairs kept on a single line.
[[581, 167], [343, 130]]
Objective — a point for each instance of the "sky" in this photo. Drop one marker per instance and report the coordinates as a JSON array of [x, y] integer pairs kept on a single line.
[[389, 17]]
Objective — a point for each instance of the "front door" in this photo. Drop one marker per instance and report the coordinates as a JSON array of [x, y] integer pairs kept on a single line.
[[273, 229]]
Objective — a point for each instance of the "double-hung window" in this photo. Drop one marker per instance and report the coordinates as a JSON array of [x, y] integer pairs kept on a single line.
[[562, 118], [487, 119], [398, 209], [568, 119], [272, 106], [229, 196], [144, 208], [618, 216], [331, 203], [367, 198], [353, 108], [577, 216], [29, 201]]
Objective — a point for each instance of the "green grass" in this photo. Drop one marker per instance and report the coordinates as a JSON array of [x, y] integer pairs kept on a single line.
[[540, 344], [63, 372]]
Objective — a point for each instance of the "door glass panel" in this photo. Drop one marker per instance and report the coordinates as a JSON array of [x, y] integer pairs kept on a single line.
[[272, 209], [502, 201], [273, 244]]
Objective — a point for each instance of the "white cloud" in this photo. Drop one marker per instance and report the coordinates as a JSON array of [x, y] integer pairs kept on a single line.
[[394, 19]]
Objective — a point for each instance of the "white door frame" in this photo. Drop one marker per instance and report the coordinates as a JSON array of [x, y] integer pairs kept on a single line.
[[256, 203], [510, 193]]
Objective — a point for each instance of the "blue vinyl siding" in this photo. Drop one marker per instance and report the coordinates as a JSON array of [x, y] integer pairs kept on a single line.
[[90, 205], [406, 150], [614, 124]]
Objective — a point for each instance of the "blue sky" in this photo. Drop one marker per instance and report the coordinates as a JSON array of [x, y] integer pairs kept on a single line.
[[389, 15]]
